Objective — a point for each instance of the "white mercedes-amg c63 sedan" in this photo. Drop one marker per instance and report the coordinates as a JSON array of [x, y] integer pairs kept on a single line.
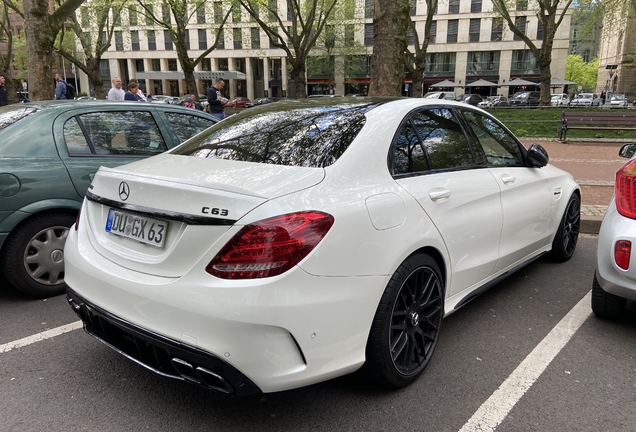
[[304, 240]]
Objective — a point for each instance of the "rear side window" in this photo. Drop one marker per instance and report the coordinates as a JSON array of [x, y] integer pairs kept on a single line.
[[186, 126], [128, 133], [10, 115], [304, 136]]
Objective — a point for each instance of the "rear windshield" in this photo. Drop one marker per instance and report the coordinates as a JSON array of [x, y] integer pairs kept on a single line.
[[11, 114], [304, 136]]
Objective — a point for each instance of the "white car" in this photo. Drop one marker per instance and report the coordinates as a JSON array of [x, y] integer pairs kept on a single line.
[[615, 278], [282, 248], [618, 101], [585, 99], [450, 95], [560, 99]]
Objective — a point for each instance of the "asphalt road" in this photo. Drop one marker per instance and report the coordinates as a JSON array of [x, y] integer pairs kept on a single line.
[[72, 382]]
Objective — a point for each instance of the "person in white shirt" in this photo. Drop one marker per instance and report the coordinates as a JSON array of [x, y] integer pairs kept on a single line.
[[116, 93]]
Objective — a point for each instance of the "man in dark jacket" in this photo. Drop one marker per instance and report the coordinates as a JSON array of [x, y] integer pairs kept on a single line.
[[216, 101], [4, 96]]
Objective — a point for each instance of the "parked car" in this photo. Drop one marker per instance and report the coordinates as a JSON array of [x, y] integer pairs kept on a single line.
[[585, 100], [261, 101], [440, 95], [614, 280], [560, 99], [525, 99], [493, 101], [238, 102], [618, 101], [470, 99], [283, 250], [49, 153], [163, 99]]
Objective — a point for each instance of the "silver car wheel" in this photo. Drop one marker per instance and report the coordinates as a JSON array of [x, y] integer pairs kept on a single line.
[[44, 255]]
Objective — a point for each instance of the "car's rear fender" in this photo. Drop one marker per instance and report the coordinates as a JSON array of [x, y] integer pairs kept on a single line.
[[10, 222]]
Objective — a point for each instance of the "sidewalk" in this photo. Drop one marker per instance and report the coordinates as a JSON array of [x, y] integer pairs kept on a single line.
[[593, 163]]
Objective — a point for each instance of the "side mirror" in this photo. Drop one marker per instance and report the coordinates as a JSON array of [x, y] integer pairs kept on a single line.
[[628, 150], [537, 156]]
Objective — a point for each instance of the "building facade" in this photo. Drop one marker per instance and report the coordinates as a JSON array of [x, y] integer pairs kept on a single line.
[[616, 73], [467, 44]]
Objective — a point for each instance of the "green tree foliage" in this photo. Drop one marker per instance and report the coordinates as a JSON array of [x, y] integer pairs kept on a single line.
[[296, 33], [551, 14], [582, 73]]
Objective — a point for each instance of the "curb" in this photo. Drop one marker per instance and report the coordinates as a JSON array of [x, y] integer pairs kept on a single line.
[[590, 224]]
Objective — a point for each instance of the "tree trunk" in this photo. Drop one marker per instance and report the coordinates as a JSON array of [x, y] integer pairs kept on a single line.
[[186, 65], [95, 77], [418, 77], [39, 49], [300, 81], [543, 62], [390, 21]]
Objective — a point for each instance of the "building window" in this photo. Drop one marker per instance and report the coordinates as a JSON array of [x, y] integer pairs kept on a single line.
[[440, 64], [237, 34], [255, 36], [134, 39], [273, 39], [523, 63], [409, 36], [433, 38], [187, 39], [203, 39], [104, 71], [165, 13], [156, 65], [218, 12], [522, 5], [132, 16], [475, 6], [221, 44], [152, 41], [497, 29], [412, 7], [573, 48], [350, 34], [368, 34], [586, 55], [84, 16], [368, 8], [206, 64], [236, 13], [139, 65], [575, 34], [453, 6], [104, 40], [172, 65], [119, 41], [272, 10], [483, 63], [149, 20], [201, 14], [520, 23], [167, 37], [474, 29], [540, 30], [452, 31]]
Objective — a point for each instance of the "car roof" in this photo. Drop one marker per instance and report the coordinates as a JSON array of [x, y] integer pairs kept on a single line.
[[97, 104]]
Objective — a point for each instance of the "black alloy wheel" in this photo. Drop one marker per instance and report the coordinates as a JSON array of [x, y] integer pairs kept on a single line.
[[407, 323], [567, 235]]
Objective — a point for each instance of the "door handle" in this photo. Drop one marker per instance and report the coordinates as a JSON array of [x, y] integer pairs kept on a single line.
[[439, 194], [508, 179]]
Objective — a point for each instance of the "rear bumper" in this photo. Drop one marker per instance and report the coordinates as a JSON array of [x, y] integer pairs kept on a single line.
[[611, 278], [160, 354]]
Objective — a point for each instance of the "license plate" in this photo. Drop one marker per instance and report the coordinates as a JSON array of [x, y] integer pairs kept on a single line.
[[136, 227]]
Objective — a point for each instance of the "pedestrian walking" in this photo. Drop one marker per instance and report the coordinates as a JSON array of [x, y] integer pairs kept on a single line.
[[132, 93], [4, 95], [60, 87], [116, 93], [216, 101]]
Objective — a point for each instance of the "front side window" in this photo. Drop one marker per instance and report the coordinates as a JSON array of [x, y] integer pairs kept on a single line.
[[303, 136], [129, 133], [186, 126], [500, 147]]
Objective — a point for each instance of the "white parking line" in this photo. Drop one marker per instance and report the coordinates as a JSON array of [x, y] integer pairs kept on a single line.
[[40, 336], [500, 403]]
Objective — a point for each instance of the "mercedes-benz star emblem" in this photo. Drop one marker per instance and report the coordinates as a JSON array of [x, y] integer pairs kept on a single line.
[[124, 191]]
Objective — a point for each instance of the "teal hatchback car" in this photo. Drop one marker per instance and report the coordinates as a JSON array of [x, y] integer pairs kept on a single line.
[[49, 152]]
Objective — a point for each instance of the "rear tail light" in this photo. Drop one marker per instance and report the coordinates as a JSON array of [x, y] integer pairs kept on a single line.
[[626, 190], [271, 246], [622, 253]]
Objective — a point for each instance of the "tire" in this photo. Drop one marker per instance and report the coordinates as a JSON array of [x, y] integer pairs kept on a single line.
[[33, 255], [604, 304], [409, 319], [567, 234]]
